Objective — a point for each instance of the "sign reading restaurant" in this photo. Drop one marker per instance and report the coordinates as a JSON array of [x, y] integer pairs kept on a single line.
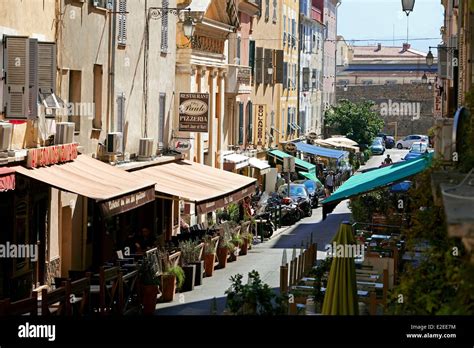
[[194, 112]]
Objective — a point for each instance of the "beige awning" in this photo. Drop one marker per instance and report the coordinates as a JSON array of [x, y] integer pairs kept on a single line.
[[209, 188], [263, 166], [116, 190]]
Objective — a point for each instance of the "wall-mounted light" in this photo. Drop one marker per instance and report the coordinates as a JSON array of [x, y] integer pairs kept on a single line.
[[424, 78], [345, 88], [270, 69]]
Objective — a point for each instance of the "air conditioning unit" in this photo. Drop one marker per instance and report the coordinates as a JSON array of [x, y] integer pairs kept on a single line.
[[114, 142], [145, 151], [6, 130], [64, 133]]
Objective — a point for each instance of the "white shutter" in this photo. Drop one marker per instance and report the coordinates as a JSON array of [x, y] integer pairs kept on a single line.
[[122, 23], [164, 27], [16, 65]]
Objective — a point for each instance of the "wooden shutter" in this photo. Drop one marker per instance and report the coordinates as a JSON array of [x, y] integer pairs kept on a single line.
[[279, 75], [267, 61], [16, 65], [274, 11], [252, 58], [305, 79], [259, 65], [250, 117], [33, 79], [267, 10], [122, 23], [164, 28], [285, 75], [241, 123]]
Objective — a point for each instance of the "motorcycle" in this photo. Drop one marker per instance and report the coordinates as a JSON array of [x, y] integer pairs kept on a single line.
[[305, 206], [290, 212], [267, 224]]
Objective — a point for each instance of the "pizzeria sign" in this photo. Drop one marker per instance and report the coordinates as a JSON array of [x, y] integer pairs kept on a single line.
[[194, 112]]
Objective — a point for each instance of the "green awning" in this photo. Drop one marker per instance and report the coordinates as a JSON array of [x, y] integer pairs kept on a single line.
[[303, 165], [378, 178], [310, 176]]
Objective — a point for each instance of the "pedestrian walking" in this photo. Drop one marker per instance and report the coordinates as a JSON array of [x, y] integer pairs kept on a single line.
[[330, 182]]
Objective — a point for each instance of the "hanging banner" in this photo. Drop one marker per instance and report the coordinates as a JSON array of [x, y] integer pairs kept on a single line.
[[260, 118], [194, 112]]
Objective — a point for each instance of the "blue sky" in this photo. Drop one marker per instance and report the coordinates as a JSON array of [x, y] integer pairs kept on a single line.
[[381, 19]]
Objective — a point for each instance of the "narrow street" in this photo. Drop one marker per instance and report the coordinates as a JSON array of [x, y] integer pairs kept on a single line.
[[266, 257]]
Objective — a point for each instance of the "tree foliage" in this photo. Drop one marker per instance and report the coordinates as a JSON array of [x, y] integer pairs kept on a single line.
[[357, 121]]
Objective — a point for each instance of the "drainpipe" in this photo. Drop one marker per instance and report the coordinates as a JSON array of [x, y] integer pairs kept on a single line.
[[110, 103]]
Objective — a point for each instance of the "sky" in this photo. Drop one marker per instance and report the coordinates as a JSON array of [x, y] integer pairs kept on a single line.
[[384, 19]]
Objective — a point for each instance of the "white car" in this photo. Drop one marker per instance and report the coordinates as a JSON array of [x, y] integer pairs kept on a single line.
[[408, 141]]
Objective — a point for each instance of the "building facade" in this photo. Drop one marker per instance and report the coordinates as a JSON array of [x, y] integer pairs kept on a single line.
[[329, 68]]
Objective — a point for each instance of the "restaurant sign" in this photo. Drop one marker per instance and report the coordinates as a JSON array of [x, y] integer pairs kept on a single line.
[[128, 202], [243, 75], [45, 156], [194, 112], [182, 145], [260, 125]]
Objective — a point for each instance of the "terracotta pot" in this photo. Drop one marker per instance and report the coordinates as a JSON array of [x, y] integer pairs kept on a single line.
[[244, 247], [199, 272], [169, 287], [149, 294], [209, 261], [222, 254]]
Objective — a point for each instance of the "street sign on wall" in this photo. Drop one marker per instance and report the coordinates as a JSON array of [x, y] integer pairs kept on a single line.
[[194, 112]]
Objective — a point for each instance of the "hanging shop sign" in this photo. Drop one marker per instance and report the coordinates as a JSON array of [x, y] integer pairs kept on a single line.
[[128, 202], [46, 156], [312, 136], [437, 109], [260, 125], [194, 112], [290, 147]]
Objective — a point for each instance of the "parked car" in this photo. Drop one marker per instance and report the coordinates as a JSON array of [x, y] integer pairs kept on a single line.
[[389, 142], [417, 150], [377, 147], [298, 194], [408, 141], [315, 190]]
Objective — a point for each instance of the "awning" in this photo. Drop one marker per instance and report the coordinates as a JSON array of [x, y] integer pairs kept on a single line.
[[320, 151], [263, 166], [310, 176], [343, 143], [207, 187], [378, 178], [116, 190], [7, 179], [303, 165], [238, 161]]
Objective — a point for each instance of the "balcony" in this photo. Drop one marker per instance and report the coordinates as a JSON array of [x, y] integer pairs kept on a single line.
[[239, 80], [250, 7], [316, 14]]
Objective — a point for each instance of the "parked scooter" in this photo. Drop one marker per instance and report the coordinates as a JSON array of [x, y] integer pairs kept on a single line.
[[267, 224], [290, 212]]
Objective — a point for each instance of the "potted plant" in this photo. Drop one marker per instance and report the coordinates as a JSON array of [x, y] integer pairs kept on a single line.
[[172, 279], [247, 238], [236, 242], [209, 256], [190, 253], [149, 286]]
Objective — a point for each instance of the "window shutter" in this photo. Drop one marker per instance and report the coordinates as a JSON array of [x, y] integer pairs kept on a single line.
[[161, 121], [267, 61], [267, 10], [250, 116], [47, 67], [288, 126], [305, 79], [122, 22], [16, 65], [285, 75], [275, 11], [279, 78], [442, 62], [252, 57], [239, 43], [258, 65], [33, 79], [164, 28], [120, 112]]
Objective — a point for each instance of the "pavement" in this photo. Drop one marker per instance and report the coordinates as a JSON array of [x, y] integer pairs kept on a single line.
[[266, 257]]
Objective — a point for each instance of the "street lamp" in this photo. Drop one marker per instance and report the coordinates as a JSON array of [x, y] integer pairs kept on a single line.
[[345, 88], [188, 27], [429, 58], [430, 85], [407, 7], [270, 69], [424, 78]]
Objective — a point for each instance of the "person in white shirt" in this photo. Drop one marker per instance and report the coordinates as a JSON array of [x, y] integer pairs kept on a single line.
[[330, 181]]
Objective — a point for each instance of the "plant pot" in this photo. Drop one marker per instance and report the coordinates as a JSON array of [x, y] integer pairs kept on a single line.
[[169, 287], [149, 294], [222, 254], [199, 272], [244, 247], [209, 260], [189, 278]]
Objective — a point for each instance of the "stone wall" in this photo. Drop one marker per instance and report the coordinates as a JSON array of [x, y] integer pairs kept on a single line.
[[410, 105]]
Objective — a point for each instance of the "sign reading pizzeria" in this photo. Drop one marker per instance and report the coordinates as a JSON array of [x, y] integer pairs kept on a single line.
[[194, 112]]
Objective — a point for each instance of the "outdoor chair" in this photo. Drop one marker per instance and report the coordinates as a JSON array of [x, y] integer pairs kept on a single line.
[[106, 290], [54, 302], [28, 306], [78, 295]]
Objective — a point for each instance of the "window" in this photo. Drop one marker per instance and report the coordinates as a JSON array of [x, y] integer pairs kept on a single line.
[[366, 82], [97, 123], [305, 79], [161, 119], [282, 123], [391, 82], [75, 98], [284, 30], [241, 123], [285, 75], [122, 23], [239, 43], [120, 112], [105, 4], [164, 28], [259, 65], [252, 57], [267, 10], [274, 20]]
